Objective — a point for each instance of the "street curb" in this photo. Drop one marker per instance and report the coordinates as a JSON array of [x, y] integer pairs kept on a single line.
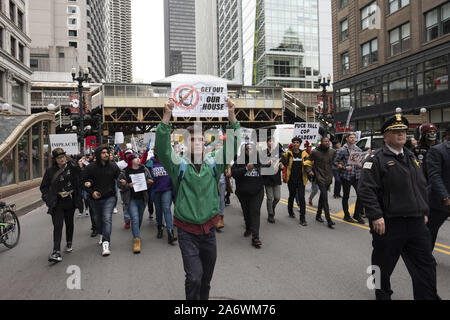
[[23, 211]]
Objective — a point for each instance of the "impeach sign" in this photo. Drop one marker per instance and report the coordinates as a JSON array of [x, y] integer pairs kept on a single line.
[[200, 99], [307, 131], [67, 142]]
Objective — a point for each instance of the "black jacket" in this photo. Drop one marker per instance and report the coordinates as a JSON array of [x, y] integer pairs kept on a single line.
[[275, 179], [438, 160], [102, 177], [390, 187], [49, 190], [248, 182]]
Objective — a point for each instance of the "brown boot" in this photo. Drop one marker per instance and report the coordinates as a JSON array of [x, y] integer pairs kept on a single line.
[[220, 224], [137, 245]]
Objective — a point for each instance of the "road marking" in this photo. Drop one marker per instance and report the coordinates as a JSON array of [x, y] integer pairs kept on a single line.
[[337, 217]]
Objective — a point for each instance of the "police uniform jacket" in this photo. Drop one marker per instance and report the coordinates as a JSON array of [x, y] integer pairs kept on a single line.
[[391, 187]]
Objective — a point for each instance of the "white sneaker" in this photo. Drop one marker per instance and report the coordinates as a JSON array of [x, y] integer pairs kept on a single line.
[[100, 241], [80, 214], [115, 211], [106, 251], [86, 213]]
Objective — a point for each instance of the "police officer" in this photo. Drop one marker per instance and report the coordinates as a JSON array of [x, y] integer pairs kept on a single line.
[[428, 138], [393, 190]]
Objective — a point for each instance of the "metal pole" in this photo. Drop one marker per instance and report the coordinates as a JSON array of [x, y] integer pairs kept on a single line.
[[80, 95]]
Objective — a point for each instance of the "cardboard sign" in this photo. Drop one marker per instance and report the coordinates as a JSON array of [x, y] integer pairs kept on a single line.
[[67, 142], [119, 138], [307, 131], [200, 99], [149, 139]]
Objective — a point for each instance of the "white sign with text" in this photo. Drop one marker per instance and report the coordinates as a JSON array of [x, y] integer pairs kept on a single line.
[[307, 131], [201, 99], [67, 142]]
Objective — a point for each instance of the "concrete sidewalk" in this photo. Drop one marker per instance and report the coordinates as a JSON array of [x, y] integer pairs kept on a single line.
[[25, 201]]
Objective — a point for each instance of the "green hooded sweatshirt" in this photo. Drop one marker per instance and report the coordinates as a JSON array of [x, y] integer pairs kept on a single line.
[[197, 199]]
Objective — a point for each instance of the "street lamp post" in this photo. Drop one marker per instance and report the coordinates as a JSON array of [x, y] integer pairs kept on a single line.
[[82, 77], [328, 118]]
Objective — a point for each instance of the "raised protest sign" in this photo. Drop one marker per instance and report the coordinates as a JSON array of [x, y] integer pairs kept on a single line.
[[119, 138], [67, 142], [307, 131], [356, 158], [200, 99]]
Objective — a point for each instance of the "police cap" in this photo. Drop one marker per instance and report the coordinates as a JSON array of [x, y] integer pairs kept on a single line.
[[397, 122]]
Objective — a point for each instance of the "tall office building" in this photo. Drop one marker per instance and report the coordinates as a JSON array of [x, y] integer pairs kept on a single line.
[[281, 42], [390, 54], [121, 41], [230, 53], [15, 75], [180, 38], [206, 37], [70, 33]]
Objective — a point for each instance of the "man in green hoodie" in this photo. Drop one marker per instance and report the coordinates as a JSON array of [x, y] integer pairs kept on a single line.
[[197, 202]]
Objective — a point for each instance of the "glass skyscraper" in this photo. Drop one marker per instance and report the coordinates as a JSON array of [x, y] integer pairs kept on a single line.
[[281, 43]]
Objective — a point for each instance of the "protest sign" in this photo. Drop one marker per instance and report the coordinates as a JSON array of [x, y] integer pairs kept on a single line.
[[201, 99], [139, 182], [119, 138], [307, 131], [122, 164], [67, 142], [149, 139], [356, 158]]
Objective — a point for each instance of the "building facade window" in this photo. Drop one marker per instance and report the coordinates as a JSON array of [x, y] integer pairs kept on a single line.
[[1, 37], [21, 53], [437, 22], [345, 62], [73, 33], [73, 44], [395, 5], [369, 52], [400, 39], [72, 9], [2, 80], [368, 15], [72, 21], [12, 11], [436, 75], [34, 63], [20, 20], [344, 30], [17, 92], [13, 47], [343, 3]]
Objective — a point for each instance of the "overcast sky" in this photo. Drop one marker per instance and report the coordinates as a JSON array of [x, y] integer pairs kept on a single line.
[[148, 40]]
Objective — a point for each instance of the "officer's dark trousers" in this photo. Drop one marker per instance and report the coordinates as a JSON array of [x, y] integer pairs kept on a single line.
[[410, 239], [199, 254], [323, 202], [296, 188], [436, 220], [346, 186], [251, 207], [63, 212]]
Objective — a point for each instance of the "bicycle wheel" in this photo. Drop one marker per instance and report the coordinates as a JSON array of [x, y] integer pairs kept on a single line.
[[10, 229]]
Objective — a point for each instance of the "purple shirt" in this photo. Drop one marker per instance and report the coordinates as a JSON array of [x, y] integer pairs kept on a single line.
[[161, 180]]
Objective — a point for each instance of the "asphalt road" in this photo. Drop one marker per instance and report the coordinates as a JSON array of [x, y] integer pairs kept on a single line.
[[295, 263]]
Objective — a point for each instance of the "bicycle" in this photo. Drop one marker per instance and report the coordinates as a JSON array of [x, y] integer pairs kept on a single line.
[[9, 225]]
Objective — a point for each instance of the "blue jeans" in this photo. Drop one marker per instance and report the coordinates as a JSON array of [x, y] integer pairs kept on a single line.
[[136, 211], [222, 190], [103, 210], [163, 202], [126, 215]]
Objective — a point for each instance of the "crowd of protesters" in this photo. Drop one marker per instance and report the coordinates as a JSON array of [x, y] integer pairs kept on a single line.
[[200, 188]]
